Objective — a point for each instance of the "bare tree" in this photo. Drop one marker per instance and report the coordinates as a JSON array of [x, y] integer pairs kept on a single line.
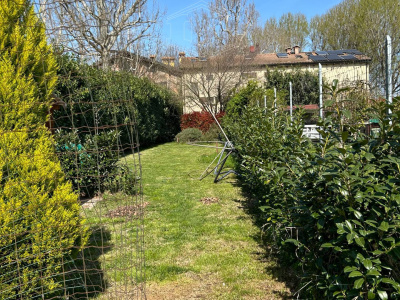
[[276, 35], [209, 82], [269, 36], [99, 26], [223, 33], [226, 24]]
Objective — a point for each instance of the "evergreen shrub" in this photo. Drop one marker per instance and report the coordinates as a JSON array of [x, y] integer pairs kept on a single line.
[[331, 208], [40, 225], [189, 135]]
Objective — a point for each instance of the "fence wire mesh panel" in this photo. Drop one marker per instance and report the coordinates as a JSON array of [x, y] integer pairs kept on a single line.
[[71, 204]]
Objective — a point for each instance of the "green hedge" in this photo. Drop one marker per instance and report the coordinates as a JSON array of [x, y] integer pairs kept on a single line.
[[108, 98], [332, 208]]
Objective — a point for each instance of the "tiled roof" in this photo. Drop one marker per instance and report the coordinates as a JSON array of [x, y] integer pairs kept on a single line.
[[272, 59]]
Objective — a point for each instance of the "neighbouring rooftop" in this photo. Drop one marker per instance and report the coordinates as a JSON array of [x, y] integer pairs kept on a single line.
[[292, 56]]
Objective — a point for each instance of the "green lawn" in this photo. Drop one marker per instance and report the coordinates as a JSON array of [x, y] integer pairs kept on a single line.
[[194, 250]]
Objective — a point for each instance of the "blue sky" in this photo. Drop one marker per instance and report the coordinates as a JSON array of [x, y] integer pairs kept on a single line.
[[176, 27]]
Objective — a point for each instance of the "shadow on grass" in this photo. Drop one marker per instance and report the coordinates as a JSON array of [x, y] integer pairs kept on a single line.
[[83, 276], [279, 266]]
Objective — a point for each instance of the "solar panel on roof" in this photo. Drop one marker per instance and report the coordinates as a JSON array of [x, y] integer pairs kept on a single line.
[[352, 51], [337, 52], [280, 55], [317, 58], [349, 57], [321, 52], [333, 57]]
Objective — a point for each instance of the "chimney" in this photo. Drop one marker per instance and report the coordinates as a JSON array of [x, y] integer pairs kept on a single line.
[[168, 60], [181, 56], [289, 50], [152, 57], [296, 49], [252, 49]]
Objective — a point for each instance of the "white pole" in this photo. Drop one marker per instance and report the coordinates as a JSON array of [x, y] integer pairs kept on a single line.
[[275, 101], [389, 86], [291, 101], [265, 102], [321, 114]]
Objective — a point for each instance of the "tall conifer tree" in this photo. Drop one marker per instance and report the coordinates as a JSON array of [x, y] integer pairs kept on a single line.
[[39, 212]]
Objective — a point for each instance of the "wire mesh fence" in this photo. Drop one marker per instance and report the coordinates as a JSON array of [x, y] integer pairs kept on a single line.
[[71, 204]]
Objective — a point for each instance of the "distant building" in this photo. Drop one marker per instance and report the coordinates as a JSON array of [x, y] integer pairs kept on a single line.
[[348, 66], [164, 73], [195, 77]]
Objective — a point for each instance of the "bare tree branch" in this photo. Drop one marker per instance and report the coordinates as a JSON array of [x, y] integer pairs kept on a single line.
[[99, 26]]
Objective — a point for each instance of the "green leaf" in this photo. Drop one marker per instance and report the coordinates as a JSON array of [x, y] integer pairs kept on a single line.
[[357, 214], [384, 226], [383, 295], [373, 272], [349, 269], [360, 241], [347, 114], [371, 295], [355, 274], [369, 156], [327, 245], [358, 283], [367, 263], [360, 257], [350, 237], [293, 241], [340, 228]]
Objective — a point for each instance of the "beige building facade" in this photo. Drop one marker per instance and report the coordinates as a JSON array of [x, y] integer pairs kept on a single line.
[[202, 77]]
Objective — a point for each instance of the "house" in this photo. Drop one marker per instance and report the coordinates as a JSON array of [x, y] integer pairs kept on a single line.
[[164, 73], [209, 80]]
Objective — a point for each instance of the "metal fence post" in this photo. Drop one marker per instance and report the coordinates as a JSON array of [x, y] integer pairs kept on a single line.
[[321, 114], [291, 102], [389, 86]]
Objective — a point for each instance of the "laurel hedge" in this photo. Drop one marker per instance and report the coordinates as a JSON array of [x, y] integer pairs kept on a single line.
[[331, 208]]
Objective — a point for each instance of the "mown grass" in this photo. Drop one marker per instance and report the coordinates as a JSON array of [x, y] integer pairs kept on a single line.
[[197, 250], [192, 250]]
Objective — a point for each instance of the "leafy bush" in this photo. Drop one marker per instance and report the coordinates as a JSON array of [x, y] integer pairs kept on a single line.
[[95, 96], [40, 225], [200, 120], [189, 135], [91, 163], [332, 208], [212, 134], [304, 84], [250, 95]]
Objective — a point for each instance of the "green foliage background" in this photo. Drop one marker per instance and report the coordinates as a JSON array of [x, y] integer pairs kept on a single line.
[[305, 86]]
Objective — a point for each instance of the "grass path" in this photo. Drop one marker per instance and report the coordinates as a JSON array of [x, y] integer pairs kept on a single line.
[[193, 250]]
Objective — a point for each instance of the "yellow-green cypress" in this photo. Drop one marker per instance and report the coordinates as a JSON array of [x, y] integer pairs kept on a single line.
[[39, 212]]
